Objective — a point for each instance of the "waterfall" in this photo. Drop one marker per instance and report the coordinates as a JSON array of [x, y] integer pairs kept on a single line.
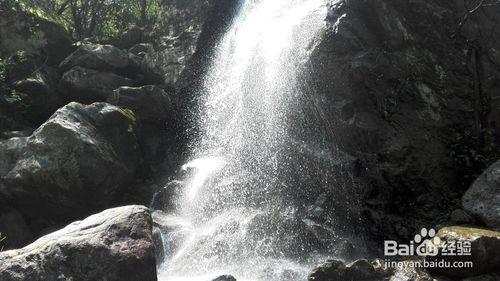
[[239, 209]]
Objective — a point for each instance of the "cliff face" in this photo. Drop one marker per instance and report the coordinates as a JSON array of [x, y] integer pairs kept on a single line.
[[411, 89], [185, 35]]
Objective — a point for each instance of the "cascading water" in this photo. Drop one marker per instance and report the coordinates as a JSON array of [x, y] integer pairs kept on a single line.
[[238, 210]]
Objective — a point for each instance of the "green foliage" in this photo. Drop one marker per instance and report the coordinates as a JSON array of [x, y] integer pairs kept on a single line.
[[10, 5], [4, 65], [10, 100], [97, 19], [472, 155]]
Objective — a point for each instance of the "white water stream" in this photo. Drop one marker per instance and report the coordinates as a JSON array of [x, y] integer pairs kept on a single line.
[[234, 214]]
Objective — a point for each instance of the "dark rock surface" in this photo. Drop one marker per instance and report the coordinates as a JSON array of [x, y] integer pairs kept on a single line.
[[14, 230], [87, 85], [184, 37], [80, 160], [116, 245], [141, 49], [483, 197], [484, 249], [362, 270], [225, 278], [34, 36], [97, 57], [149, 103], [399, 93], [40, 91]]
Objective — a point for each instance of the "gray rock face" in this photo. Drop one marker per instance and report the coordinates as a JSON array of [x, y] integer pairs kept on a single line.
[[149, 103], [78, 161], [395, 88], [186, 32], [10, 151], [335, 270], [483, 197], [113, 245], [225, 278], [98, 57], [87, 85]]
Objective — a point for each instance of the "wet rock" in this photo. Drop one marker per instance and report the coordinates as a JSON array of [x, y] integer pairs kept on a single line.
[[399, 123], [149, 103], [113, 245], [484, 249], [483, 197], [80, 160], [359, 270], [159, 248], [486, 277], [409, 273], [460, 216], [333, 270], [14, 230], [97, 57], [86, 85], [225, 278], [300, 238]]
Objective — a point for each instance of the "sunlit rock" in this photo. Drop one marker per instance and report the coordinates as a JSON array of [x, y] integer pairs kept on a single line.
[[82, 159], [114, 245]]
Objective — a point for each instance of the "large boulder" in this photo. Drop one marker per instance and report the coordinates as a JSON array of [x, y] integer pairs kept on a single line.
[[87, 85], [362, 270], [81, 160], [396, 89], [149, 103], [483, 197], [34, 36], [97, 57], [40, 91], [484, 246], [113, 245], [154, 111]]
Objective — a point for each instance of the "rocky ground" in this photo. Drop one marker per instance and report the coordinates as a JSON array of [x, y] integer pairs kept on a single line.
[[410, 88]]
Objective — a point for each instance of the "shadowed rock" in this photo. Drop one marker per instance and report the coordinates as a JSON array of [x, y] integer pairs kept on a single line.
[[484, 247], [87, 85], [483, 197]]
